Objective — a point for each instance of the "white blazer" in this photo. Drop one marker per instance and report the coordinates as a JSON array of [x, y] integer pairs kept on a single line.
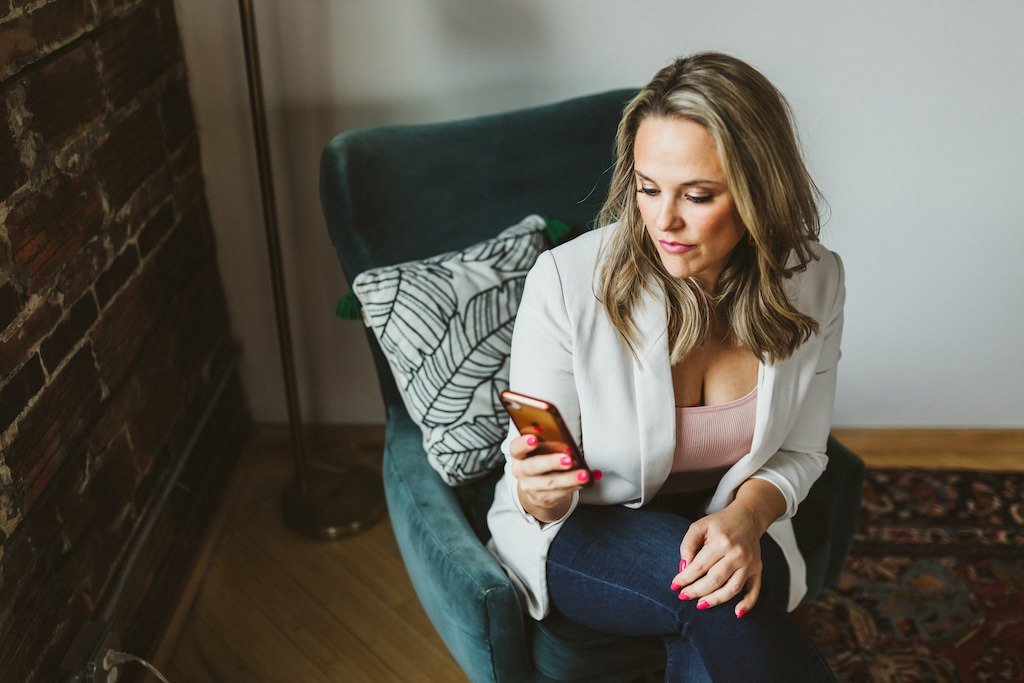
[[622, 413]]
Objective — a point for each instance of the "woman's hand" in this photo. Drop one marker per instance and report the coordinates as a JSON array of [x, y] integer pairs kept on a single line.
[[721, 552], [545, 475]]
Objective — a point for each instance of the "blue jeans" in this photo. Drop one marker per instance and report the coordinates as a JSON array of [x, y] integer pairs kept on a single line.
[[610, 567]]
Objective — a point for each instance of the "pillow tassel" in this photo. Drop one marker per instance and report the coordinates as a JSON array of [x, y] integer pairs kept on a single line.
[[349, 307], [557, 230]]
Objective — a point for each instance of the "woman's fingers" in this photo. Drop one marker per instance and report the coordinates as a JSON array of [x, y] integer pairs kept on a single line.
[[529, 446], [723, 580], [696, 554], [713, 569], [542, 458], [702, 582], [724, 592], [553, 467], [750, 599], [693, 541], [523, 446], [544, 471], [554, 482]]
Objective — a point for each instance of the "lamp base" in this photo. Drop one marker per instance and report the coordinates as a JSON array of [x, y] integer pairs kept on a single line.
[[340, 501]]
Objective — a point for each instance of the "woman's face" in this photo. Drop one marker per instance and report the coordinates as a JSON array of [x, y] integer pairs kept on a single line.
[[683, 198]]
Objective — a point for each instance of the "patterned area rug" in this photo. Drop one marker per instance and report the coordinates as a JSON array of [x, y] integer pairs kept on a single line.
[[934, 588]]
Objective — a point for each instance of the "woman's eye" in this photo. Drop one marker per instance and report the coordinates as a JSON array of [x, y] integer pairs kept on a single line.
[[694, 198]]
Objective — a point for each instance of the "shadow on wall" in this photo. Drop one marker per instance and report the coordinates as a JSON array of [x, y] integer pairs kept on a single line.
[[471, 60]]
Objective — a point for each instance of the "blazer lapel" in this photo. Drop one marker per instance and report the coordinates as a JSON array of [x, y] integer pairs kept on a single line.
[[777, 393], [653, 394]]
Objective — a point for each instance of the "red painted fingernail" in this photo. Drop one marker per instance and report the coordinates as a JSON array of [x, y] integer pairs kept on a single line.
[[703, 604], [567, 450], [531, 441], [684, 596], [739, 615], [566, 461], [598, 474], [682, 565], [582, 476], [675, 586]]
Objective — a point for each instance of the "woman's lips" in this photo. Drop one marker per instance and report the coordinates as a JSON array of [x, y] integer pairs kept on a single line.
[[675, 247]]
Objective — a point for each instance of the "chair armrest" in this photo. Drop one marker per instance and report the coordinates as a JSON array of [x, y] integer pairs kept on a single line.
[[845, 509], [463, 589], [829, 517]]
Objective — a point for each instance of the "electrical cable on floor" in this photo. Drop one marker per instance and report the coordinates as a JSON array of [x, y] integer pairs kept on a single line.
[[116, 658]]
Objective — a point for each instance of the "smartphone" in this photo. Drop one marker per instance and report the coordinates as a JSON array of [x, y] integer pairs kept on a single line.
[[536, 416]]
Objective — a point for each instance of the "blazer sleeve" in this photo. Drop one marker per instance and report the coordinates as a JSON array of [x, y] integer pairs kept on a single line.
[[802, 457], [541, 362]]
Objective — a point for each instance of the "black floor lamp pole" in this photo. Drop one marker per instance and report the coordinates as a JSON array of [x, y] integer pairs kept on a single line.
[[339, 500]]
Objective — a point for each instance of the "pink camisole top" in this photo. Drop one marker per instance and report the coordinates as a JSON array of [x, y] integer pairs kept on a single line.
[[710, 439]]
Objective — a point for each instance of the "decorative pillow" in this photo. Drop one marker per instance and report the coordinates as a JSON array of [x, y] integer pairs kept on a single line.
[[445, 327]]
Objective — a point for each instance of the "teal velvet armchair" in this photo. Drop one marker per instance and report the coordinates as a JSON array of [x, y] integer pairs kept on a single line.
[[396, 193]]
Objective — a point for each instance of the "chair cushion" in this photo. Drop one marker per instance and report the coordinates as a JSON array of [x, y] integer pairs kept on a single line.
[[444, 324]]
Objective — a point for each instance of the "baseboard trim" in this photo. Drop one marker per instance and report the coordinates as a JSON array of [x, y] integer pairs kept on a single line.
[[163, 646], [992, 440], [1000, 450], [325, 434]]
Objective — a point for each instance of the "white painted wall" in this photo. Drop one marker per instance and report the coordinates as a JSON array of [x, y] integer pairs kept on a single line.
[[910, 113]]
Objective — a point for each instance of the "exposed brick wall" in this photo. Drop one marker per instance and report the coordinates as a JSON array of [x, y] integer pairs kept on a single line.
[[116, 355]]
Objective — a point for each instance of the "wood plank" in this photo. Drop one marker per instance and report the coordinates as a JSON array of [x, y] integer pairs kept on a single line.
[[942, 459], [372, 560], [201, 655], [320, 636], [332, 441], [252, 635], [414, 655]]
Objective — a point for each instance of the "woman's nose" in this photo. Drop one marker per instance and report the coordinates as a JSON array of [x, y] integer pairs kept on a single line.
[[669, 216]]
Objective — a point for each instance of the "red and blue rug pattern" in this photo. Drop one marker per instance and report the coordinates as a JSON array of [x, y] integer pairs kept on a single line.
[[934, 587]]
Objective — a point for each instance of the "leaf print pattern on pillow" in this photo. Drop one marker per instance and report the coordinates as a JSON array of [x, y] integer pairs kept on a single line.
[[445, 326]]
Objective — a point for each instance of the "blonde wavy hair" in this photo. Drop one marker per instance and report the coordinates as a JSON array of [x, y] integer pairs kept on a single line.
[[775, 198]]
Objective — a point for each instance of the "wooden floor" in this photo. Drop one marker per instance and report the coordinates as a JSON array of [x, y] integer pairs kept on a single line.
[[267, 605]]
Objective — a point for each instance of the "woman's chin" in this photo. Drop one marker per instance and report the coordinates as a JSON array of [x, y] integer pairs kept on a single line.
[[675, 269]]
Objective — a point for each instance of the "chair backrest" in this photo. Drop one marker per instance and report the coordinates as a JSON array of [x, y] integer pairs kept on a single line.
[[392, 194]]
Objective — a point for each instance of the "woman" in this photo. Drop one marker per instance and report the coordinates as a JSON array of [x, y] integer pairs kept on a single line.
[[691, 343]]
